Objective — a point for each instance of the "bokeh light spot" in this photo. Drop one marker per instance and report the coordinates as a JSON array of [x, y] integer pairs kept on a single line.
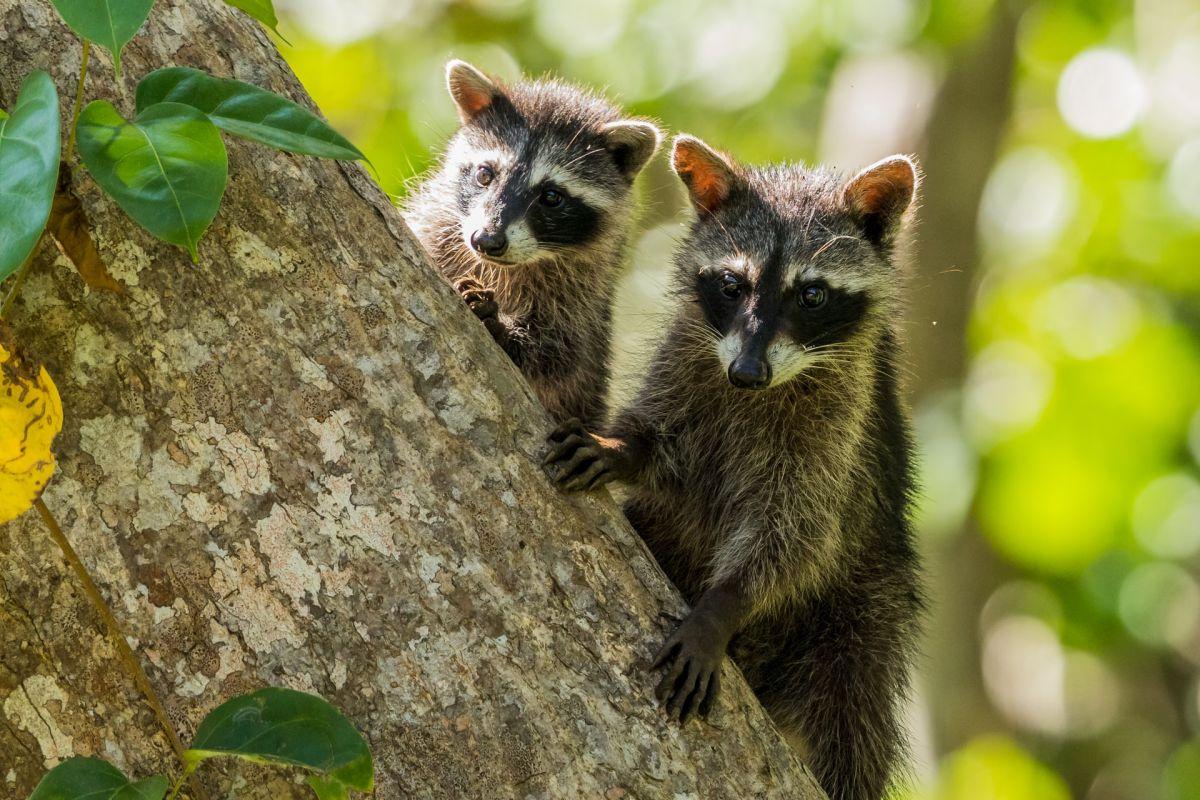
[[1028, 200], [1007, 390], [1101, 93], [737, 58], [1183, 177], [581, 28], [996, 768], [1160, 605], [1166, 516], [949, 467], [1089, 316], [1023, 669]]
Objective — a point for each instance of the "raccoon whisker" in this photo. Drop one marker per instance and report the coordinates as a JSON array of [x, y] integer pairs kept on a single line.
[[812, 214], [584, 155], [574, 139], [830, 244], [732, 244]]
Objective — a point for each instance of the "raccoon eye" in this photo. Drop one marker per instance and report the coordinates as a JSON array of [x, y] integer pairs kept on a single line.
[[731, 285], [813, 296], [551, 198], [484, 175]]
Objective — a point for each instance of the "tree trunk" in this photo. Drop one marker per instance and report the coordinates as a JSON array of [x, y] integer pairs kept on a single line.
[[303, 463], [964, 137]]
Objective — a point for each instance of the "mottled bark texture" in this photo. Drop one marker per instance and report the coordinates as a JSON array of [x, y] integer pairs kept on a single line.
[[303, 463]]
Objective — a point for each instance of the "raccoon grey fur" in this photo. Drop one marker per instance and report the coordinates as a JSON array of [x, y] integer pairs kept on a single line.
[[528, 215], [768, 454]]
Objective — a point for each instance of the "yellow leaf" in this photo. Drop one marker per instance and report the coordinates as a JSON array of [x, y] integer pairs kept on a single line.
[[31, 416]]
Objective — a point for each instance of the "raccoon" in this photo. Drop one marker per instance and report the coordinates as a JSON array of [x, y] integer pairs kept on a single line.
[[528, 216], [768, 457]]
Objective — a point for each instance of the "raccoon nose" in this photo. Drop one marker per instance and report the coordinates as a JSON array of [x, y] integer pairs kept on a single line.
[[490, 244], [749, 373]]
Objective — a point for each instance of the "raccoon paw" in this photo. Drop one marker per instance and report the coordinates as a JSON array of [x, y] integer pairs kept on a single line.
[[692, 658], [577, 461], [480, 299]]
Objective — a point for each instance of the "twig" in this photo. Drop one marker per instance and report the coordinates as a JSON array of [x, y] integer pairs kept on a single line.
[[18, 282], [187, 772], [128, 658], [83, 68]]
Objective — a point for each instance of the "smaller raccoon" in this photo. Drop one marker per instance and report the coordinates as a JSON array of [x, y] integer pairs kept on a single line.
[[768, 457], [528, 215]]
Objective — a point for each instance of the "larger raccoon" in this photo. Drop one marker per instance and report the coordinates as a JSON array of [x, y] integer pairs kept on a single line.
[[768, 453], [528, 216]]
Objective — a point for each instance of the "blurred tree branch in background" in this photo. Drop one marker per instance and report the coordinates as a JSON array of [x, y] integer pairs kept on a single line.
[[963, 138]]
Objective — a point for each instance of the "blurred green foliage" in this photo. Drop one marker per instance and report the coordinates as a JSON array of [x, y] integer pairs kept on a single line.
[[1072, 439]]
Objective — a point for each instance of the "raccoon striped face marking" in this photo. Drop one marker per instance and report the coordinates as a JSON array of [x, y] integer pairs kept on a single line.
[[787, 266], [773, 329], [542, 169], [514, 214]]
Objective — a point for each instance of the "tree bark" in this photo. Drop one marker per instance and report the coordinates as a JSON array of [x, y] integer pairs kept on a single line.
[[303, 463]]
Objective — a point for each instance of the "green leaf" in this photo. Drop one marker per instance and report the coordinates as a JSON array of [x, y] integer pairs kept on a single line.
[[261, 10], [167, 168], [282, 726], [29, 141], [94, 779], [247, 111], [111, 23], [328, 788]]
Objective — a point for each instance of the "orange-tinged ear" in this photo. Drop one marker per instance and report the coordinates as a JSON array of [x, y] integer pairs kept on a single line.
[[709, 176], [471, 90], [880, 194]]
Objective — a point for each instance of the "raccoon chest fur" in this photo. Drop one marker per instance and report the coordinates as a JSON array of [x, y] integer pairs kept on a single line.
[[725, 466]]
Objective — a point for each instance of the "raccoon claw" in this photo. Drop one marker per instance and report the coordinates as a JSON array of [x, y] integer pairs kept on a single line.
[[693, 678], [576, 461], [480, 299]]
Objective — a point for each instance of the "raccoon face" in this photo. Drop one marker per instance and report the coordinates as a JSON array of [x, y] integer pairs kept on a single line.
[[540, 169], [789, 267]]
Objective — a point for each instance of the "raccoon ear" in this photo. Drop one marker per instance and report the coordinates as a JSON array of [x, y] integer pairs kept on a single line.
[[632, 142], [472, 91], [708, 175], [880, 194]]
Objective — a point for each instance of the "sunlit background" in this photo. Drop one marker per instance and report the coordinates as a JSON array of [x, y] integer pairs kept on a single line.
[[1054, 323]]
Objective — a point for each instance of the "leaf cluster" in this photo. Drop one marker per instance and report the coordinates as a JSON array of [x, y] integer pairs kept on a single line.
[[275, 726]]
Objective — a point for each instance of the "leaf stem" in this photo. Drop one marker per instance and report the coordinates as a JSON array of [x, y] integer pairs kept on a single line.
[[17, 283], [83, 68], [187, 772], [128, 659]]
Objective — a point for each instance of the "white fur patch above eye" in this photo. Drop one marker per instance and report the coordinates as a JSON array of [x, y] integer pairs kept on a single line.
[[738, 264], [570, 183], [463, 152], [805, 272], [744, 266]]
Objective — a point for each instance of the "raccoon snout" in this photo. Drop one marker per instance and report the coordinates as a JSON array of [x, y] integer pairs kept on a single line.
[[749, 372], [490, 244]]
